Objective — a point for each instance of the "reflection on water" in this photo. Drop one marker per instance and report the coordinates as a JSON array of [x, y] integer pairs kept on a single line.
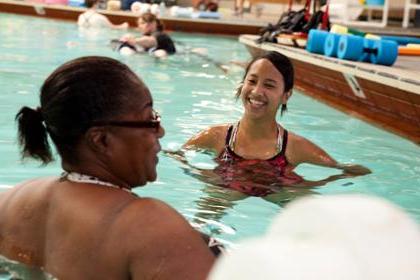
[[228, 183], [12, 270], [216, 201]]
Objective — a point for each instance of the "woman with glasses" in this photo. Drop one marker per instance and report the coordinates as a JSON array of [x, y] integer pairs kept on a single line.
[[257, 155], [88, 223]]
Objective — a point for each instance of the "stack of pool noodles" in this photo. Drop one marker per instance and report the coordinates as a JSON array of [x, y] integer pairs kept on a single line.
[[352, 44]]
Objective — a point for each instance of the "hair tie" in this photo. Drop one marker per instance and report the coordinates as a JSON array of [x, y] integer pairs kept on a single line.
[[39, 113]]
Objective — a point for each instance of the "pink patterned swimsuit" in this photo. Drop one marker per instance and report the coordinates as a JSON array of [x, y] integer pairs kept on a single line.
[[254, 177]]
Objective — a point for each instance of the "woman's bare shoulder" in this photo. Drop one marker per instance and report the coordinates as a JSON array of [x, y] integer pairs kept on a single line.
[[156, 235], [212, 138], [302, 150], [149, 213], [31, 186], [296, 141]]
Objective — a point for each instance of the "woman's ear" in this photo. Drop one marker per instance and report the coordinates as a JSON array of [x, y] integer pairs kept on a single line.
[[97, 139], [239, 90], [286, 96]]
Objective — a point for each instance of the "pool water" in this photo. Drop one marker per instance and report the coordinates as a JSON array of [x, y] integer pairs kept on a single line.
[[192, 93]]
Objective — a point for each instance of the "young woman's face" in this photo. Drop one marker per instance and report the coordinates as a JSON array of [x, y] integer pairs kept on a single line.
[[263, 90], [146, 27]]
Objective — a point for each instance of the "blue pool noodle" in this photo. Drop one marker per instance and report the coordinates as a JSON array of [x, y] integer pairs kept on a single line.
[[316, 41], [331, 44], [367, 44], [387, 52], [401, 40], [350, 47]]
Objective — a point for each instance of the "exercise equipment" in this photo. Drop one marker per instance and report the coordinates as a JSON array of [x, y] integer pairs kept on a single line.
[[367, 44], [409, 50], [350, 47], [316, 41], [297, 39], [401, 40], [206, 14], [331, 44], [356, 48], [384, 52]]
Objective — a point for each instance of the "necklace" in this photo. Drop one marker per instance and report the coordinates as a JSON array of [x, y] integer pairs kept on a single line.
[[82, 178]]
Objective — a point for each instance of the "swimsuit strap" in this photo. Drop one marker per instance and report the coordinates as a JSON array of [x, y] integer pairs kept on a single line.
[[228, 134], [86, 19], [232, 136], [279, 140], [283, 141]]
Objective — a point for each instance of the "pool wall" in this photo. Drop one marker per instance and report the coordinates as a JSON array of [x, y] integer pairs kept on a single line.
[[171, 23]]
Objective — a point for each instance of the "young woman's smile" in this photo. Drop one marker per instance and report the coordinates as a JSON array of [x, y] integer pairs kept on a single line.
[[262, 92]]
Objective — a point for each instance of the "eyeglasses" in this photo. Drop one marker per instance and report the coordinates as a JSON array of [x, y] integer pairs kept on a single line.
[[153, 123]]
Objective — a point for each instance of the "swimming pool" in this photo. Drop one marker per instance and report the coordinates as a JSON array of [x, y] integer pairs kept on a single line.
[[191, 94]]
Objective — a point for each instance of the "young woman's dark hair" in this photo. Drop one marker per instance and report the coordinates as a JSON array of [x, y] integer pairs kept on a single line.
[[282, 64], [90, 3], [149, 17], [78, 93]]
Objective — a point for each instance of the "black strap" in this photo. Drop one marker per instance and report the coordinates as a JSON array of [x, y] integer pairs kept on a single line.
[[283, 147], [228, 135]]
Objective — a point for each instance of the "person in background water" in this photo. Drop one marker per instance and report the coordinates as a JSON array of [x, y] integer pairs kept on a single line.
[[257, 146], [88, 223], [92, 19], [154, 39]]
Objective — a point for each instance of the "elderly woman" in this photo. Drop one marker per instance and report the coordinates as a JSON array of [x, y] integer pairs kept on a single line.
[[87, 223]]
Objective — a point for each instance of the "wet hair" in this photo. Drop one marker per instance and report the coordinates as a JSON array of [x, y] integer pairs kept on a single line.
[[282, 64], [75, 95], [90, 3], [149, 18]]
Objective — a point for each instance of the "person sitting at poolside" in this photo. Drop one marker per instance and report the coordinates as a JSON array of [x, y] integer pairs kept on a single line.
[[88, 223], [92, 19], [154, 39], [206, 5], [257, 140]]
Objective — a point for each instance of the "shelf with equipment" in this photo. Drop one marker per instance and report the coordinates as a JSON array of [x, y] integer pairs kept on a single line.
[[407, 8], [370, 6]]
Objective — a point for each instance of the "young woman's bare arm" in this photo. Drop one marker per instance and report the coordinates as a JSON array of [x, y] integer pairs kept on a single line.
[[211, 139], [301, 150]]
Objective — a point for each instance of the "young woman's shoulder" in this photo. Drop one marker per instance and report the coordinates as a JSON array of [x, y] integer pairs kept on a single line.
[[302, 150], [212, 138]]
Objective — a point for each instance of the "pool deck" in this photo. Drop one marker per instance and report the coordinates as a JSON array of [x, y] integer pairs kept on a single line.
[[228, 24]]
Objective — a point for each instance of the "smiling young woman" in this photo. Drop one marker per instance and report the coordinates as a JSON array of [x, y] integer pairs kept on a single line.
[[258, 139]]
